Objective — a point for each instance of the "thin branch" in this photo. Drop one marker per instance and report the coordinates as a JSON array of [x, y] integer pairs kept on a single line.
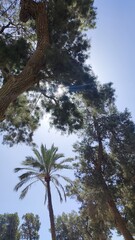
[[12, 5], [4, 27], [43, 91]]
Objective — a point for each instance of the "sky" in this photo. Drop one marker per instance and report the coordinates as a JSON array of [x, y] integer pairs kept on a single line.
[[112, 59], [112, 49]]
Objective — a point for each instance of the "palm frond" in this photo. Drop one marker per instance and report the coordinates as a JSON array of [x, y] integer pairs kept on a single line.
[[54, 153], [50, 157], [58, 166], [45, 162], [43, 150], [17, 169], [21, 183], [54, 149], [34, 163], [27, 174], [61, 165], [25, 190], [46, 158], [26, 169], [58, 156], [38, 155], [60, 196], [45, 199], [66, 160], [58, 190], [58, 185], [64, 178], [29, 161]]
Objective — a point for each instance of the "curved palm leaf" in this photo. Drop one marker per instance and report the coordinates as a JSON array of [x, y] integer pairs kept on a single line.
[[25, 190], [42, 168], [45, 163], [66, 179], [59, 186]]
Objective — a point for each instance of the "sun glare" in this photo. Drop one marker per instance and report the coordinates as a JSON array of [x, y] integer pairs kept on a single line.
[[61, 90]]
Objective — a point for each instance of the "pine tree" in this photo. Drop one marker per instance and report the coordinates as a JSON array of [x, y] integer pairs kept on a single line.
[[106, 163], [60, 45], [43, 46], [30, 227], [9, 226]]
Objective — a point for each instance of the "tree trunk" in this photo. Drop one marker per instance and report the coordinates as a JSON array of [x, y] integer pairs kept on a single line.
[[28, 77], [51, 214], [120, 223]]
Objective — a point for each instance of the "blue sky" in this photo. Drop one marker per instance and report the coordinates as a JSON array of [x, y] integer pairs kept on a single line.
[[112, 48], [113, 60]]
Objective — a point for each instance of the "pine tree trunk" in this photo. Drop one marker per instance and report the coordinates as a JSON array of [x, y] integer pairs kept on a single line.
[[51, 214], [120, 223], [16, 85]]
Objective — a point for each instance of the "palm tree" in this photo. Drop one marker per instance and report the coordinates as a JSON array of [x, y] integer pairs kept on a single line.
[[43, 167]]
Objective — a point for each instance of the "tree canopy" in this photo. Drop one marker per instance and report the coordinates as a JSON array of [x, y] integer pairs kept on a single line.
[[43, 45], [43, 50], [10, 228], [30, 227], [77, 226], [9, 224], [105, 171]]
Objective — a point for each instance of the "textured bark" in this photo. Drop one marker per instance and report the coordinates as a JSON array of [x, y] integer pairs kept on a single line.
[[120, 223], [51, 214], [28, 77]]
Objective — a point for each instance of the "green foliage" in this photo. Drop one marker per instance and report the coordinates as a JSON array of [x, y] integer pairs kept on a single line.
[[9, 227], [22, 119], [13, 54], [64, 63], [30, 227], [69, 227], [68, 16], [43, 167], [106, 155], [75, 226], [64, 114]]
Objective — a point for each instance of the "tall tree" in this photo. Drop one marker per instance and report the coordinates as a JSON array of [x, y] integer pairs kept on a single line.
[[107, 164], [43, 167], [69, 227], [56, 28], [61, 63], [75, 226], [9, 224], [30, 227]]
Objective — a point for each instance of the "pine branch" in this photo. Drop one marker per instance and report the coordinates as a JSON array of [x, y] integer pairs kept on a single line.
[[4, 27]]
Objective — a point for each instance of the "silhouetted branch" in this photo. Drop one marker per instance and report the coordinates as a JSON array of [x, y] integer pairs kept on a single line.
[[4, 27]]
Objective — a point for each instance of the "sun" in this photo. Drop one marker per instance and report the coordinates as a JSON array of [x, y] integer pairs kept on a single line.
[[61, 90]]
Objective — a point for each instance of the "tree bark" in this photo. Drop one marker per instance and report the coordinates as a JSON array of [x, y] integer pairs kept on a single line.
[[51, 214], [120, 223], [16, 85]]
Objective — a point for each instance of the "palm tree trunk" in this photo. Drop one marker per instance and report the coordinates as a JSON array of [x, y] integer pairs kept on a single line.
[[51, 214]]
